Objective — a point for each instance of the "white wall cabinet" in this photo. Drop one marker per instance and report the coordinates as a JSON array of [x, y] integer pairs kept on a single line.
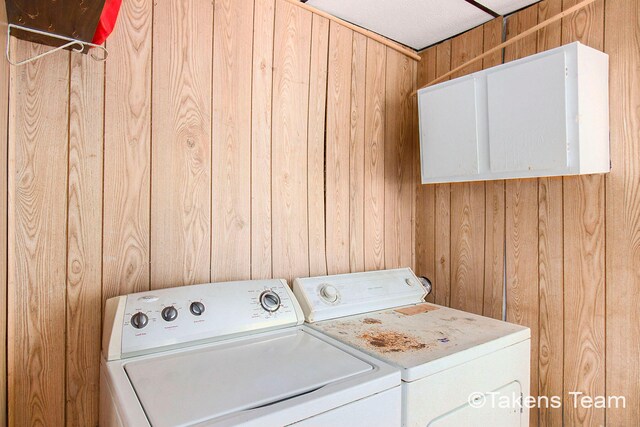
[[544, 115]]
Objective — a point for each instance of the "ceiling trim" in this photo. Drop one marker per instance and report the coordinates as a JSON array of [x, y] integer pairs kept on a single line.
[[481, 7]]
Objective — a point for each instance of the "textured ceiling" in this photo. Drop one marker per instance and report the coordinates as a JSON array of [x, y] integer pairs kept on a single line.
[[416, 23]]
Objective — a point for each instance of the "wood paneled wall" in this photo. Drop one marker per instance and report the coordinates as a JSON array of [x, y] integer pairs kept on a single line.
[[571, 245], [222, 140]]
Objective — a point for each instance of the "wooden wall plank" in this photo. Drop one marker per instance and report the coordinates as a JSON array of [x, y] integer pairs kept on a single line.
[[4, 143], [231, 193], [289, 135], [467, 206], [375, 113], [494, 204], [425, 225], [550, 258], [181, 151], [398, 157], [442, 281], [521, 204], [584, 257], [127, 151], [84, 266], [622, 43], [338, 147], [263, 30], [38, 129], [356, 153], [316, 141]]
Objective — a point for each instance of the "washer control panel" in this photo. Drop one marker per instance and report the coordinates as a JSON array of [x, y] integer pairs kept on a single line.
[[330, 297], [170, 318]]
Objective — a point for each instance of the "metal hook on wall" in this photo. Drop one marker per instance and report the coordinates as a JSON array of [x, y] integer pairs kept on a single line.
[[75, 45]]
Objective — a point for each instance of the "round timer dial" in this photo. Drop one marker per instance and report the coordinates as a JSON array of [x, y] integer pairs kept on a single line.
[[270, 301], [169, 313], [139, 320], [329, 293]]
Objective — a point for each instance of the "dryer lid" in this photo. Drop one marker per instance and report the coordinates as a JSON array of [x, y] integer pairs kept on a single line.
[[204, 384]]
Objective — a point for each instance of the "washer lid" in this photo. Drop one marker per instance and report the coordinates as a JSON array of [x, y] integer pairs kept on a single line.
[[201, 385]]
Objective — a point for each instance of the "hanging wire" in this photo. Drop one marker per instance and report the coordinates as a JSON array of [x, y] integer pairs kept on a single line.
[[74, 44]]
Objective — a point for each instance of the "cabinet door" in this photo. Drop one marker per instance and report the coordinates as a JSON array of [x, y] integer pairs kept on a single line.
[[527, 116], [449, 130]]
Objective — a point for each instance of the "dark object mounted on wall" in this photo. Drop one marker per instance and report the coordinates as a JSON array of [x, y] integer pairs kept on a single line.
[[107, 20], [76, 25]]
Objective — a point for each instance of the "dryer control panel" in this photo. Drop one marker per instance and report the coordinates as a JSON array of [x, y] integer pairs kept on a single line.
[[330, 297], [171, 318]]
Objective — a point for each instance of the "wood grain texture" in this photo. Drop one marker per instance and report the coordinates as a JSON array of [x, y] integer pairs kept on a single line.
[[4, 142], [467, 207], [551, 295], [425, 222], [375, 113], [289, 141], [494, 205], [127, 153], [181, 151], [584, 257], [550, 257], [356, 153], [38, 129], [442, 283], [338, 147], [622, 43], [231, 151], [315, 141], [84, 247], [398, 158], [521, 204], [261, 93]]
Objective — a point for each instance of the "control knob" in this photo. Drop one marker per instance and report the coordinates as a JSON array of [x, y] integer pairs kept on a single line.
[[169, 313], [139, 320], [196, 308], [270, 301], [329, 293]]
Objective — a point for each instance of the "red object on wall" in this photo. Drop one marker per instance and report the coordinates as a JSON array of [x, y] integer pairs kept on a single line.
[[107, 20]]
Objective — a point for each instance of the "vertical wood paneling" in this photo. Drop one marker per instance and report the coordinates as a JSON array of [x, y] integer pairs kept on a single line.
[[521, 204], [467, 206], [127, 145], [317, 110], [181, 151], [425, 226], [550, 258], [4, 147], [289, 141], [398, 158], [557, 286], [494, 205], [226, 180], [263, 22], [231, 192], [84, 267], [338, 147], [374, 156], [356, 153], [442, 281], [38, 130], [622, 43], [584, 257]]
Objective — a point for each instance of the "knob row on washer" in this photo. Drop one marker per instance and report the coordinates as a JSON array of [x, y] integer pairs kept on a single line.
[[169, 314]]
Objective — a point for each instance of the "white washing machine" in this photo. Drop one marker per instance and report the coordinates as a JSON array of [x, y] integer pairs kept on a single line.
[[234, 353], [458, 369]]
